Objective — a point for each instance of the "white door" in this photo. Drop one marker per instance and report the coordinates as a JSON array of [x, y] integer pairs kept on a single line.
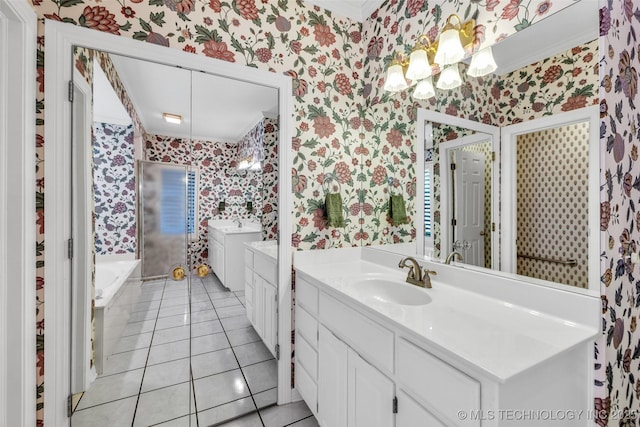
[[469, 188], [332, 380], [370, 395]]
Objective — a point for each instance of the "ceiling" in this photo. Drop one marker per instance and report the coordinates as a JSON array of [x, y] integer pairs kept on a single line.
[[212, 107], [358, 10]]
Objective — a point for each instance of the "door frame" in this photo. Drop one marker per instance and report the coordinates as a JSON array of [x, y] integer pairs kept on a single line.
[[59, 40], [423, 117], [83, 373], [509, 136], [18, 30]]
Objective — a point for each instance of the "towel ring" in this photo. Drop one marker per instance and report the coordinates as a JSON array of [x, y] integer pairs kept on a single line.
[[325, 184], [391, 180]]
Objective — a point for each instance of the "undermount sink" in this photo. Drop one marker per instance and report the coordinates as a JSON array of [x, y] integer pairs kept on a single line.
[[389, 291]]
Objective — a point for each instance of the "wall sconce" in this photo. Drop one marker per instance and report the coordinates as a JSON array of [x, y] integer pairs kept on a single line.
[[429, 57]]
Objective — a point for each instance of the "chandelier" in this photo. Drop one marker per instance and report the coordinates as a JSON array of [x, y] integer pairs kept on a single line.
[[429, 58]]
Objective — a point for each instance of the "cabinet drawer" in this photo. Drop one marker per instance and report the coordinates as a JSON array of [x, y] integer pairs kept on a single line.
[[307, 295], [266, 268], [371, 340], [437, 384], [248, 258], [307, 388], [248, 275], [307, 357], [307, 326]]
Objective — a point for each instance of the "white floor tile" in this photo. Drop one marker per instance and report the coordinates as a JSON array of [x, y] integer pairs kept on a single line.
[[203, 365], [266, 398], [203, 316], [209, 343], [172, 321], [243, 336], [218, 389], [205, 328], [252, 420], [226, 411], [112, 387], [186, 421], [279, 416], [141, 316], [127, 361], [237, 322], [261, 376], [306, 422], [167, 352], [133, 342], [236, 310], [166, 374], [251, 353], [164, 336], [146, 306], [136, 328], [163, 405], [226, 302], [117, 413]]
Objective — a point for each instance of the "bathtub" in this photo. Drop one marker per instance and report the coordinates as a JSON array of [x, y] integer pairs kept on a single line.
[[117, 289]]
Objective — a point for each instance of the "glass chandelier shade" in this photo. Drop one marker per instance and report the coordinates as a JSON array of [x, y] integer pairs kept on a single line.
[[449, 78], [395, 80], [419, 67], [450, 48], [424, 89], [482, 63]]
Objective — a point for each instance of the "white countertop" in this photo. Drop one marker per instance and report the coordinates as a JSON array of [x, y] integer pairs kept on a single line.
[[267, 247], [496, 337], [229, 227]]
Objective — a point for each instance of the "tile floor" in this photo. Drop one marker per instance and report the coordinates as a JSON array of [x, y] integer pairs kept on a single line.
[[149, 380]]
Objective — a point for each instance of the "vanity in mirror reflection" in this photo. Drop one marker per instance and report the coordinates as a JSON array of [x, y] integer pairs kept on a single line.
[[170, 164]]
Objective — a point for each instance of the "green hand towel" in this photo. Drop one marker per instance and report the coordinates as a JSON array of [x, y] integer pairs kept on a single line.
[[397, 210], [333, 210]]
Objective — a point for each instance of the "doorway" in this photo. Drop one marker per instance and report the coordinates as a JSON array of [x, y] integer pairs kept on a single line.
[[62, 38]]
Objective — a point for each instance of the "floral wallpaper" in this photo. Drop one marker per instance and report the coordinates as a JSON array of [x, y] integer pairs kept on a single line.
[[618, 351], [346, 133], [114, 189], [270, 171], [219, 180]]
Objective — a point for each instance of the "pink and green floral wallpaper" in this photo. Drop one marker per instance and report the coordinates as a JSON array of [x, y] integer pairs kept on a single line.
[[347, 133], [618, 351], [114, 189]]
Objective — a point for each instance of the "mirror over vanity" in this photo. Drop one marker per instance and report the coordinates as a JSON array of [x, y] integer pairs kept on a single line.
[[516, 192]]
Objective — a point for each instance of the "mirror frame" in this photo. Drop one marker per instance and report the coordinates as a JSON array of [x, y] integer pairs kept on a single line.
[[423, 116], [60, 38], [509, 135]]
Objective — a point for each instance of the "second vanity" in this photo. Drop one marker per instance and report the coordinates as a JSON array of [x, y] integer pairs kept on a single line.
[[226, 250], [475, 350]]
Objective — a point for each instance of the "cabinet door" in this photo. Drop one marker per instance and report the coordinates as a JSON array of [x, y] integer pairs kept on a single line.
[[258, 307], [270, 316], [370, 394], [332, 380], [412, 414]]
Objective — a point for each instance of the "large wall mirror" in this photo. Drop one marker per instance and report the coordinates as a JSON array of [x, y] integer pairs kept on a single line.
[[520, 196]]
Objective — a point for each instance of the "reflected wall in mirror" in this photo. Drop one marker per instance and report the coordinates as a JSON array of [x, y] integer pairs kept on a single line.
[[555, 87], [157, 186]]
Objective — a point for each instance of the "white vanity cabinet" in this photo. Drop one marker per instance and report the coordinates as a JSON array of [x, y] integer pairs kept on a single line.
[[340, 386], [261, 293], [356, 367], [226, 250]]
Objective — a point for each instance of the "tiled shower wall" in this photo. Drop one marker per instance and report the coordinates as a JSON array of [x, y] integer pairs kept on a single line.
[[552, 203]]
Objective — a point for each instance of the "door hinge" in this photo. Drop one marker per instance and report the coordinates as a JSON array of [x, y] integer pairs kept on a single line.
[[70, 248], [395, 404], [493, 226], [493, 156], [453, 166], [69, 406], [277, 351], [454, 222], [71, 87]]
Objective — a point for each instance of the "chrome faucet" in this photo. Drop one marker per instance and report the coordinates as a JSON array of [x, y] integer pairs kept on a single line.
[[452, 255], [238, 222], [415, 275]]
